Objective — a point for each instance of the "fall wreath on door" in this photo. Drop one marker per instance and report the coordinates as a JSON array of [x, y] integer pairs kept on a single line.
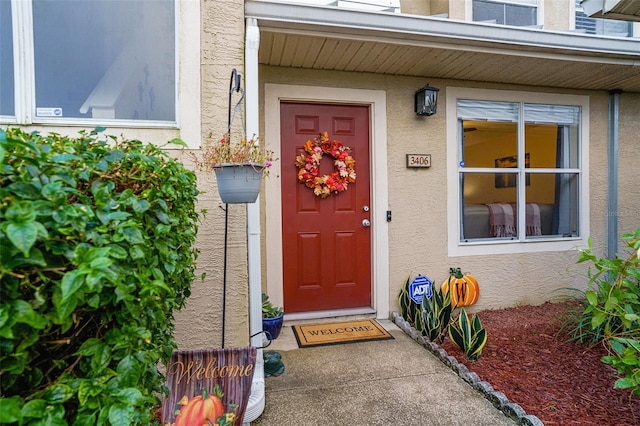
[[309, 163]]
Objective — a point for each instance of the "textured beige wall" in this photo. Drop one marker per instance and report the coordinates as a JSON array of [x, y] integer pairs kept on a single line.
[[198, 325], [557, 14], [598, 179], [418, 197], [439, 7], [415, 7], [458, 10], [629, 158], [424, 7]]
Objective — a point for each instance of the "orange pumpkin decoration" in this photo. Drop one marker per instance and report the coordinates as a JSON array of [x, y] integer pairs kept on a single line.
[[202, 410], [465, 290]]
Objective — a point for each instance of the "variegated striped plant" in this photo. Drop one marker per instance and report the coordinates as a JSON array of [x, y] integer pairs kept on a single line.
[[409, 310], [468, 334], [436, 315]]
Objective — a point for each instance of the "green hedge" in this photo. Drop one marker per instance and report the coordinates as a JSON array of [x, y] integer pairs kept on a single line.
[[613, 309], [97, 251]]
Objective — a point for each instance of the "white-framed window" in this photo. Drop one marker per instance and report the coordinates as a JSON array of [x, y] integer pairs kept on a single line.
[[517, 171], [371, 5], [80, 62], [7, 105], [518, 13], [599, 26]]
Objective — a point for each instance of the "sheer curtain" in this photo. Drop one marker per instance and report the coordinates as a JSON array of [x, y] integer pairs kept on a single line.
[[562, 203]]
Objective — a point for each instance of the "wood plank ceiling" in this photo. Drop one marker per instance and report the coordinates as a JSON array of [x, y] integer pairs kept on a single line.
[[285, 49]]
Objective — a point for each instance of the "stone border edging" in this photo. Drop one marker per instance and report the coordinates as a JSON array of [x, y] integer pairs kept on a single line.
[[498, 399]]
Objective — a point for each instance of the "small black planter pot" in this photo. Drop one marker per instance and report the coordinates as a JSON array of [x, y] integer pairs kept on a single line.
[[272, 326]]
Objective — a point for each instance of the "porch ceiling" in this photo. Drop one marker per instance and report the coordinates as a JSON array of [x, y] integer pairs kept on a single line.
[[328, 38]]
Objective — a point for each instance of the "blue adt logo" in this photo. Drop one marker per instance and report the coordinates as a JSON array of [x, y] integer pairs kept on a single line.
[[420, 286]]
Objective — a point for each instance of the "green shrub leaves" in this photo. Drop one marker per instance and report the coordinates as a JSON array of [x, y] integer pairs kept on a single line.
[[96, 253], [612, 309]]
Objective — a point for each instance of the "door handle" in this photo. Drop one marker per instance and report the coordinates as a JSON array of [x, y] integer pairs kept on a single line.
[[366, 223]]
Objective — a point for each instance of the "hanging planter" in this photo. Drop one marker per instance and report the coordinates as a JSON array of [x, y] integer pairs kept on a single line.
[[239, 167], [239, 182]]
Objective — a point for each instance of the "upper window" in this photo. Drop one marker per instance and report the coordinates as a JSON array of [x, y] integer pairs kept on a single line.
[[373, 5], [7, 106], [507, 12], [519, 171], [78, 60], [599, 26]]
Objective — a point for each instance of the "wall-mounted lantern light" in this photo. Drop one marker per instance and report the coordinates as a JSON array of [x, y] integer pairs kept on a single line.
[[426, 100]]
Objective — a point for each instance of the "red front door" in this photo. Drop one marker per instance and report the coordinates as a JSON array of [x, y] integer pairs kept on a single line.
[[326, 247]]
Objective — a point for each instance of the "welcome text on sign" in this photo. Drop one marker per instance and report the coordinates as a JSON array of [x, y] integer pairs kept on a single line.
[[196, 370]]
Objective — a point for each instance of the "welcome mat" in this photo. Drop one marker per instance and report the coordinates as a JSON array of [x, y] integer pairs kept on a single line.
[[339, 332]]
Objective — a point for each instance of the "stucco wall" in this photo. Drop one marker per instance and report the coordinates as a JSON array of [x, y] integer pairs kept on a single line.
[[598, 179], [413, 7], [557, 14], [439, 7], [418, 197], [629, 157], [458, 10], [424, 7], [198, 325]]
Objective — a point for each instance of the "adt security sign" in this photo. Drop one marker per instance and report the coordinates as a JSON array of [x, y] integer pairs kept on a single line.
[[420, 286]]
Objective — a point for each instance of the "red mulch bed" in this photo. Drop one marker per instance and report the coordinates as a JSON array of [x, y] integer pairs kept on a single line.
[[560, 383]]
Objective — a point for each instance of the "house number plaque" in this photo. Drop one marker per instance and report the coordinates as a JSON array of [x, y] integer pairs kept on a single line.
[[419, 160]]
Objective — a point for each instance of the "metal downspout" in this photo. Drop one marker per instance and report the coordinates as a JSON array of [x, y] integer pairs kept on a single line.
[[612, 174], [255, 405]]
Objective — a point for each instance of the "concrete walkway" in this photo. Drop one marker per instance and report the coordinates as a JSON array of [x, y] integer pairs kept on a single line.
[[388, 382]]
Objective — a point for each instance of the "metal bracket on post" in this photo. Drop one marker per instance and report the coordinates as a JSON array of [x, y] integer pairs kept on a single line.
[[234, 86]]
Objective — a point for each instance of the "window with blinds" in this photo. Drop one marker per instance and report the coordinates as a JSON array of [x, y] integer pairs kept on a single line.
[[509, 12], [599, 26]]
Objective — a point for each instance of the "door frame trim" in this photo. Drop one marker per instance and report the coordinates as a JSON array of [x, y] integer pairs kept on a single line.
[[376, 100]]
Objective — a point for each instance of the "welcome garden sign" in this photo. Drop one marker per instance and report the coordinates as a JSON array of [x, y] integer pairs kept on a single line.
[[208, 387]]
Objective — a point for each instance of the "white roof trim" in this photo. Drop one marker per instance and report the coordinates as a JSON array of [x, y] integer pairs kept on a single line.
[[284, 16]]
